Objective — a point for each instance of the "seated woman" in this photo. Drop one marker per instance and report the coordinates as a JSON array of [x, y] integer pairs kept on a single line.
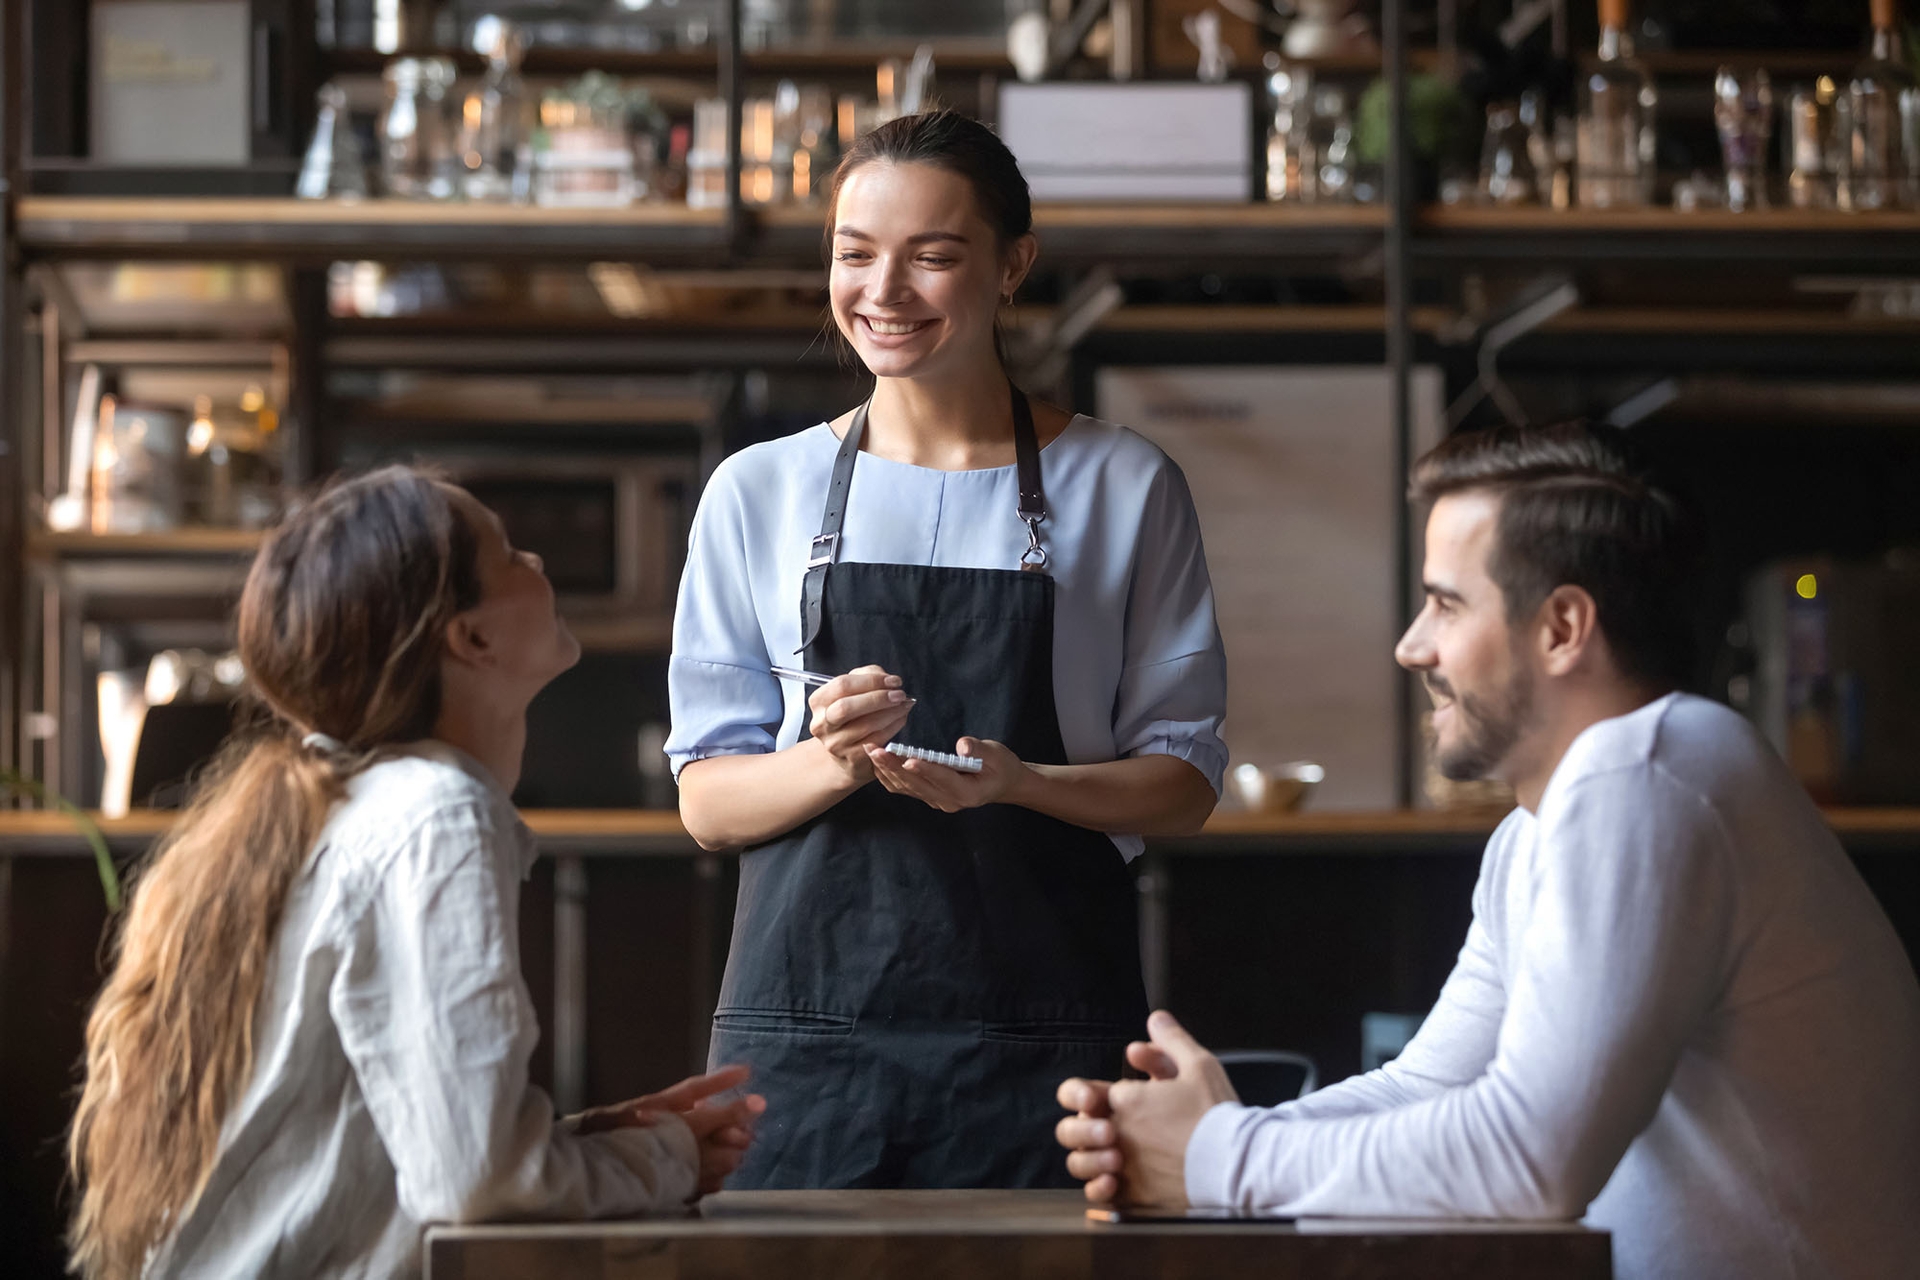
[[315, 1036]]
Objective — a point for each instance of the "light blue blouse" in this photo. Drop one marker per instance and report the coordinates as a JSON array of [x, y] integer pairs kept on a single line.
[[1138, 665]]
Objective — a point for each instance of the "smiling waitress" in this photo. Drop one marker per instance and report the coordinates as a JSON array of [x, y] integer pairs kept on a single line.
[[921, 954]]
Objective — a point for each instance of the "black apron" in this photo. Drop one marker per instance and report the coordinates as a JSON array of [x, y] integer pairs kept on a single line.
[[911, 986]]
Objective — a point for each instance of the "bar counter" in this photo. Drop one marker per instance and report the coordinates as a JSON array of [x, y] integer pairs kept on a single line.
[[1008, 1235]]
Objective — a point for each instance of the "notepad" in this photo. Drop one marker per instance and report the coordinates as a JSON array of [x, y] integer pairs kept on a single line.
[[965, 764]]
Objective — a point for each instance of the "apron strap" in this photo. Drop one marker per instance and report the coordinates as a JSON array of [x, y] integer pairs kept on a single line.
[[814, 588], [826, 544], [1033, 498]]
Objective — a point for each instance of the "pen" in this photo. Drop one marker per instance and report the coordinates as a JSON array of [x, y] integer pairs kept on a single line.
[[804, 677]]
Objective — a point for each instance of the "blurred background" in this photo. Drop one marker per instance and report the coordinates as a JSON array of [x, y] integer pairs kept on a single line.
[[571, 252]]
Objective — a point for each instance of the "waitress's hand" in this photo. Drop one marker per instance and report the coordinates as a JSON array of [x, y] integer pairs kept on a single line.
[[946, 789], [864, 707]]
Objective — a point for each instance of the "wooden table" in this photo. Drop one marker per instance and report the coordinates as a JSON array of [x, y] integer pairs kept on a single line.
[[1000, 1235]]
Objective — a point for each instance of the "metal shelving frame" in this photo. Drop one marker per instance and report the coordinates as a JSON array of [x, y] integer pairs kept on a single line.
[[1407, 242], [13, 429]]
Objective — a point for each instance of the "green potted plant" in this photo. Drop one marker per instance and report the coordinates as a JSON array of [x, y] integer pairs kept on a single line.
[[1440, 128], [82, 821]]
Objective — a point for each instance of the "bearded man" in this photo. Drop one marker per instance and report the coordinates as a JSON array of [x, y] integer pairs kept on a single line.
[[1679, 1013]]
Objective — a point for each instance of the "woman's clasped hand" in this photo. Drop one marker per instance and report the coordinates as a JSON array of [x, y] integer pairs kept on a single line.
[[722, 1130]]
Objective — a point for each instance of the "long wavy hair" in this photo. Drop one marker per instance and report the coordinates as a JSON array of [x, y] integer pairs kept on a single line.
[[341, 628]]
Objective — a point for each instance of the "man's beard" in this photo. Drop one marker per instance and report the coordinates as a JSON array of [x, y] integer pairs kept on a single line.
[[1486, 729]]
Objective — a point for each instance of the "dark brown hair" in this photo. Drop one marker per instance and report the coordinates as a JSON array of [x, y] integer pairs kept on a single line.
[[341, 628], [956, 143], [959, 144], [1578, 507]]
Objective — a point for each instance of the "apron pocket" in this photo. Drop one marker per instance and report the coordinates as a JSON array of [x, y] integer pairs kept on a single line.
[[1056, 1031], [782, 1022]]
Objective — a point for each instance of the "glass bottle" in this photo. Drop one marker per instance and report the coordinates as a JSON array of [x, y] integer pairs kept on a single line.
[[707, 157], [416, 151], [1614, 147], [1743, 116], [1885, 169], [1330, 130], [1816, 167], [1507, 174], [496, 122], [333, 165], [814, 157], [1289, 94]]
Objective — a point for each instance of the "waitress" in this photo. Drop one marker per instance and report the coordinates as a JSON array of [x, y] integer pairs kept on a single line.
[[921, 954]]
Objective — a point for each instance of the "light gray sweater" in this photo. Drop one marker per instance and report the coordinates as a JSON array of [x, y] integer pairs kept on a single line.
[[1679, 1012]]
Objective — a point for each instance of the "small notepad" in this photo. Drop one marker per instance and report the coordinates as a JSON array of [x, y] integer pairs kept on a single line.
[[966, 764]]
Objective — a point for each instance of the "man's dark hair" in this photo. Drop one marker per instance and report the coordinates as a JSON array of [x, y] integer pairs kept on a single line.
[[1578, 508]]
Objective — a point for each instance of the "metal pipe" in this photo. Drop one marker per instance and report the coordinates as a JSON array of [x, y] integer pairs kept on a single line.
[[702, 983], [1399, 336], [12, 522], [730, 89], [569, 984], [1127, 59], [1155, 968]]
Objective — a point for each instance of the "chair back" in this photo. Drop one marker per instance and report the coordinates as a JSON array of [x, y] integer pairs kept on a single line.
[[1269, 1077]]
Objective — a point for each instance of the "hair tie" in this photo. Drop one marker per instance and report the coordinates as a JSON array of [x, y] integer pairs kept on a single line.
[[323, 744]]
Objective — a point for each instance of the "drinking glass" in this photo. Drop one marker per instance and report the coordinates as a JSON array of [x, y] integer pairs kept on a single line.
[[1743, 114], [333, 165], [1330, 133], [1289, 162], [1910, 146], [1814, 155], [1507, 174], [496, 122], [416, 135]]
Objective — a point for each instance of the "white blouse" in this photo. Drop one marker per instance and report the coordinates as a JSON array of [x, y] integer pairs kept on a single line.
[[389, 1085], [1138, 665]]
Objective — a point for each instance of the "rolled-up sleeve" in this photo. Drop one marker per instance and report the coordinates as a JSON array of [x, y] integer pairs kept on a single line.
[[1172, 696], [721, 697]]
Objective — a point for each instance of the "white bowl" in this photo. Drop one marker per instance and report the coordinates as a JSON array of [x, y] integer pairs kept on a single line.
[[1274, 788]]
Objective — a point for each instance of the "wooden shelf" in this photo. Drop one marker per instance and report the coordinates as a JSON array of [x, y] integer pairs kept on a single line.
[[378, 340], [1704, 62], [1465, 217], [658, 832], [841, 57], [176, 542], [1695, 321], [1161, 234], [1783, 237], [850, 57], [1259, 215], [1348, 824], [285, 228]]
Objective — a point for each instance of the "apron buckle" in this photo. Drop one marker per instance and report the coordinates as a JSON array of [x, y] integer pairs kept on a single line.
[[1035, 556], [823, 557]]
